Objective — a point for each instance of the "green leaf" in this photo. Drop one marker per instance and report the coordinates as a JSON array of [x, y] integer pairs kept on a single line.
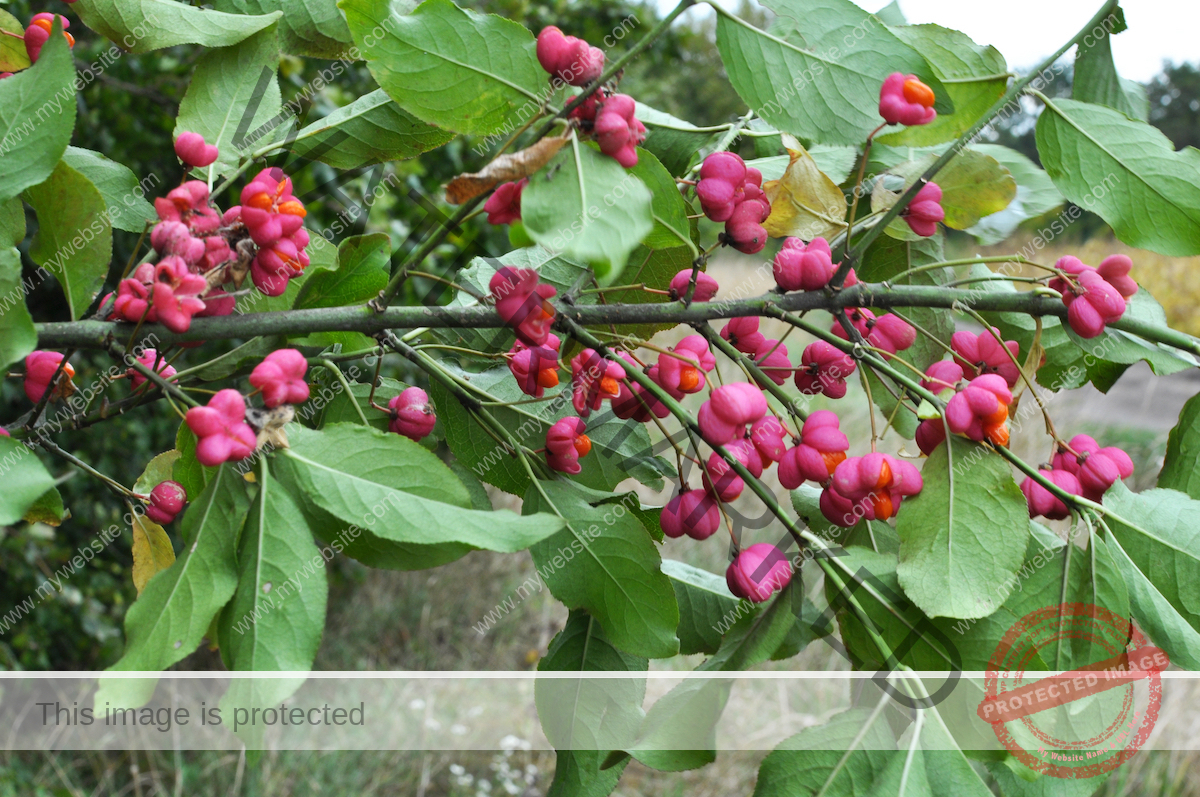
[[843, 757], [973, 185], [837, 162], [37, 116], [679, 731], [1036, 195], [168, 620], [585, 205], [18, 336], [963, 534], [124, 196], [48, 509], [361, 476], [157, 471], [704, 601], [601, 713], [943, 644], [13, 55], [1126, 172], [612, 571], [276, 617], [372, 129], [1012, 784], [361, 273], [1158, 535], [140, 26], [668, 207], [802, 78], [224, 91], [314, 28], [677, 144], [25, 480], [975, 76], [467, 72], [1096, 80], [74, 237], [1181, 469]]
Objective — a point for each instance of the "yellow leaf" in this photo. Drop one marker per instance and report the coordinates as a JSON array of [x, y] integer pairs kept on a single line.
[[805, 202], [152, 551]]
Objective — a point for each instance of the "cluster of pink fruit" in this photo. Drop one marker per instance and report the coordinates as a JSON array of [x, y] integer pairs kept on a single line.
[[200, 248], [1081, 467], [38, 33], [610, 118], [1095, 296]]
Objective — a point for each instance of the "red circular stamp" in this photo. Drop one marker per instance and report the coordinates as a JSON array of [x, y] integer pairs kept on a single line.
[[1073, 690]]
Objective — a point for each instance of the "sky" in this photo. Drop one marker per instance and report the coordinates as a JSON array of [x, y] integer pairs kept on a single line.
[[1026, 31]]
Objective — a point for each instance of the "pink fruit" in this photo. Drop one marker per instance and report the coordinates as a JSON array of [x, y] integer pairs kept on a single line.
[[1115, 271], [566, 443], [798, 267], [744, 230], [535, 368], [594, 379], [758, 572], [167, 500], [683, 376], [618, 131], [1044, 503], [148, 358], [38, 33], [523, 303], [1096, 468], [980, 410], [905, 100], [823, 370], [983, 354], [412, 414], [504, 205], [40, 367], [1092, 305], [692, 512], [721, 186], [176, 294], [925, 210], [772, 359], [821, 450], [942, 375], [742, 333], [706, 286], [192, 150], [738, 403], [269, 209], [280, 377], [635, 401], [720, 479], [767, 436], [571, 60], [930, 434], [223, 435], [887, 332], [878, 483]]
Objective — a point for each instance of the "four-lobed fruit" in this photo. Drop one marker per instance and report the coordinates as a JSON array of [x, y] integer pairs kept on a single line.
[[822, 448], [412, 414], [905, 100], [823, 370], [280, 377], [980, 410], [803, 267], [690, 512], [566, 442], [567, 58], [758, 572], [925, 210], [705, 290], [167, 500], [40, 367]]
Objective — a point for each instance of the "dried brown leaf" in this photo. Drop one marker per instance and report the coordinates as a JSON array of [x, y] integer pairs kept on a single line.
[[506, 168]]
